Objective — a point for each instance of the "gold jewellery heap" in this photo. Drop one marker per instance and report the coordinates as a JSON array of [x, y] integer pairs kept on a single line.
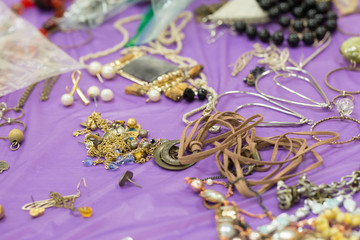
[[118, 145]]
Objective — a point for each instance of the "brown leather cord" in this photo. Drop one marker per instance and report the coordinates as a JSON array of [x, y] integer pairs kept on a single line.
[[241, 137]]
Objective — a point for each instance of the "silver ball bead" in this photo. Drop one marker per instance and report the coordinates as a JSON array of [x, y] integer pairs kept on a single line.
[[134, 144], [143, 133], [226, 230], [215, 129], [145, 144]]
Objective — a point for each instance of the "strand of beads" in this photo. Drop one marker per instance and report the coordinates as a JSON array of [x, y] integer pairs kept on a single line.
[[230, 223], [312, 21]]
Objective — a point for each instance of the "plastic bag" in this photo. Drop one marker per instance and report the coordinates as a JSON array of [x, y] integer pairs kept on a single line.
[[83, 14], [156, 19], [26, 56]]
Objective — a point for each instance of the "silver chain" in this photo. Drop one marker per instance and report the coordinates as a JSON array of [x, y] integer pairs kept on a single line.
[[288, 195]]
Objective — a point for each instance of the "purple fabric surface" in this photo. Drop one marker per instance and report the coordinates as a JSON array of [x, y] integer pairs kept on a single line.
[[50, 158]]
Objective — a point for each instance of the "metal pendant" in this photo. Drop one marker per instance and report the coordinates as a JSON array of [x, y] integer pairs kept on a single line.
[[164, 156], [3, 166]]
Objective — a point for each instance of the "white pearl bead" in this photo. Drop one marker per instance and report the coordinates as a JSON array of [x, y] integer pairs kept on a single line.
[[67, 99], [93, 91], [94, 68], [106, 95], [108, 72], [196, 185], [154, 95], [209, 182]]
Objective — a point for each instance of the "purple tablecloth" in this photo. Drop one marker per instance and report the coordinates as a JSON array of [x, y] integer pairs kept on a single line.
[[50, 158]]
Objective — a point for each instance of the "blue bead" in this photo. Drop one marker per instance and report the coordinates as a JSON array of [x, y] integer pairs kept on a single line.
[[128, 159], [112, 166], [117, 150], [88, 162]]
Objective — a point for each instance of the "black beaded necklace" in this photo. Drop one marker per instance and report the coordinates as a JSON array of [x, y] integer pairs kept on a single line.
[[313, 19]]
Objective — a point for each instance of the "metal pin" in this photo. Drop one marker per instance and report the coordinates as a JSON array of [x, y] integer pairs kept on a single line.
[[127, 176], [93, 92]]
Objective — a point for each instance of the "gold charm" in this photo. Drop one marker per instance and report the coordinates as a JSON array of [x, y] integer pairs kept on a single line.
[[37, 212]]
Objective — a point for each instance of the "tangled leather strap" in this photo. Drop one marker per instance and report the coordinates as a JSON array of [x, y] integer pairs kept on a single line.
[[240, 138]]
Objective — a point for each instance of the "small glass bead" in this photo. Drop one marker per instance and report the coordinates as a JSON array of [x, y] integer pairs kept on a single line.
[[112, 166], [88, 162], [345, 106], [85, 211]]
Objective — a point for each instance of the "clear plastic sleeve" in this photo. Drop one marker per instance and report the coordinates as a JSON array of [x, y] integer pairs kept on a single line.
[[26, 56]]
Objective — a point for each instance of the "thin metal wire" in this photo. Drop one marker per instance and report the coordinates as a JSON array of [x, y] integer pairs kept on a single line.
[[312, 81], [280, 108]]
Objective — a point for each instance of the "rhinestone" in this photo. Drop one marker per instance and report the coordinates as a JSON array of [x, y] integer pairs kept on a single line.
[[345, 106]]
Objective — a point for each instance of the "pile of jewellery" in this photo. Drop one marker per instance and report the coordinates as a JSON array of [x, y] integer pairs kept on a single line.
[[120, 144]]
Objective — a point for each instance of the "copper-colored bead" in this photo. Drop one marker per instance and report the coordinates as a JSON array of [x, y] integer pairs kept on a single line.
[[195, 71], [134, 89]]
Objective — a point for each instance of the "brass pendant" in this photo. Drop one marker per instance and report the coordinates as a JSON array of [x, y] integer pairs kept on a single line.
[[163, 159], [3, 166]]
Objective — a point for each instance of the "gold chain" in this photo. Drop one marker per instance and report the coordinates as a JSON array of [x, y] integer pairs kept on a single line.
[[48, 85], [337, 117]]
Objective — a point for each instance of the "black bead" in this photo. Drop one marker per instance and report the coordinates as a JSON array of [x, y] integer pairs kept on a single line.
[[291, 3], [265, 4], [320, 32], [264, 35], [331, 15], [189, 95], [274, 12], [298, 25], [311, 13], [308, 38], [285, 21], [298, 12], [240, 27], [312, 24], [331, 25], [310, 3], [297, 2], [319, 18], [284, 7], [277, 38], [202, 93], [293, 40], [323, 7], [251, 32]]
